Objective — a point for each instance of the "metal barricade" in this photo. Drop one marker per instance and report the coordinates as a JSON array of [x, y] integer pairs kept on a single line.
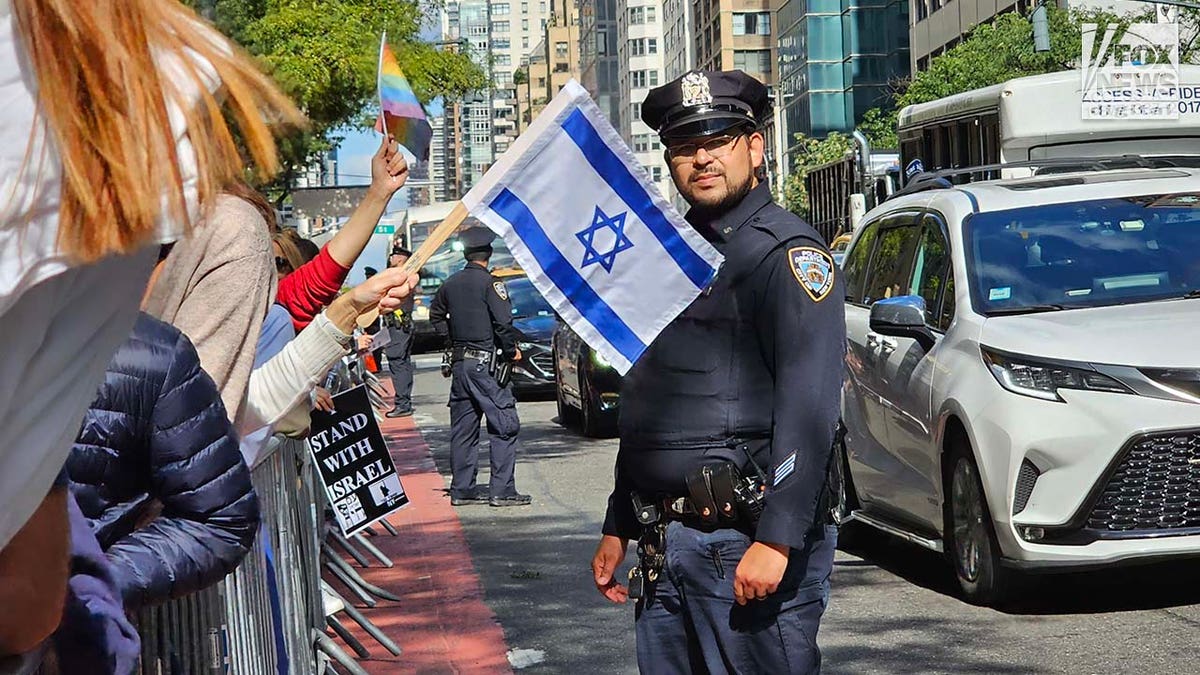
[[266, 609], [272, 606]]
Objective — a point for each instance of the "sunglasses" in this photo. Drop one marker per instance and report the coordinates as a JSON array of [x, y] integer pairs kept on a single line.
[[282, 265]]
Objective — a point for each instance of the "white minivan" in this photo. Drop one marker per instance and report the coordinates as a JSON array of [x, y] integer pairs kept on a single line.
[[1022, 382]]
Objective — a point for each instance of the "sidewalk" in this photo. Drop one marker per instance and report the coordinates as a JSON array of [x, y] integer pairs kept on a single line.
[[443, 624]]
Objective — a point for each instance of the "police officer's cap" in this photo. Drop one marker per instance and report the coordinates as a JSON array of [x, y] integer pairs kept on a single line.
[[476, 239], [400, 250], [370, 272], [705, 103]]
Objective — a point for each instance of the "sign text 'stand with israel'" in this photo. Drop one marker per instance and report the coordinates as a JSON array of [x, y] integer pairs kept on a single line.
[[354, 462]]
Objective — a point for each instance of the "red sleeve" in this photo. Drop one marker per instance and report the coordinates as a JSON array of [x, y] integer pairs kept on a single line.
[[305, 292]]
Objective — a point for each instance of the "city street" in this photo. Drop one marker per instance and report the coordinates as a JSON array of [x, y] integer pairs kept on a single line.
[[894, 608]]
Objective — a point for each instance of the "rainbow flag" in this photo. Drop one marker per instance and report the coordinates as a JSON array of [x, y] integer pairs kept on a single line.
[[401, 112]]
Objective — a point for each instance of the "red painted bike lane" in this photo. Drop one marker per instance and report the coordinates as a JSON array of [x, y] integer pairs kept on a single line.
[[442, 624]]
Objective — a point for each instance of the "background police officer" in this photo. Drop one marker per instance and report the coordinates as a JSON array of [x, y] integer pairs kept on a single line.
[[751, 370], [473, 308], [399, 348]]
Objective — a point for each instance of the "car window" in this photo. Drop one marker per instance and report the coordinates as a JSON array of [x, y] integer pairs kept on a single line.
[[525, 299], [931, 269], [947, 314], [890, 273], [854, 268], [1089, 253]]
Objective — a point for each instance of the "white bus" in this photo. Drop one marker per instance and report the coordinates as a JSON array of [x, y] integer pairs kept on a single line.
[[1039, 117]]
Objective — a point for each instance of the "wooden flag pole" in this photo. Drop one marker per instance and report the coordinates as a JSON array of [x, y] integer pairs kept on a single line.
[[436, 238], [422, 255]]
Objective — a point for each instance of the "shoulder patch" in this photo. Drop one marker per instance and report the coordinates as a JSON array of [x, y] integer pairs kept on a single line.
[[501, 289], [814, 269]]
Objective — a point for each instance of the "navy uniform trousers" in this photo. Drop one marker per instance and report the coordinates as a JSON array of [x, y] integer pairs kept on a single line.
[[475, 393], [693, 624], [400, 365]]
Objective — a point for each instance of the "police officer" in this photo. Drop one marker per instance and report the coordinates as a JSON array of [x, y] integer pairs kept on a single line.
[[472, 307], [399, 347], [728, 420]]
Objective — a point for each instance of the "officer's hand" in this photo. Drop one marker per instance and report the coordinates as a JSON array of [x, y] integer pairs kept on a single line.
[[759, 572], [609, 556], [364, 342], [517, 356], [389, 169]]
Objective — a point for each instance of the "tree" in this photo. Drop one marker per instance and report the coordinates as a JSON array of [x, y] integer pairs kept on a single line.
[[999, 51], [325, 55], [812, 153], [880, 129]]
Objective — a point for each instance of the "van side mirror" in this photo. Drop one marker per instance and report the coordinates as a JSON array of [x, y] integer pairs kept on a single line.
[[902, 316]]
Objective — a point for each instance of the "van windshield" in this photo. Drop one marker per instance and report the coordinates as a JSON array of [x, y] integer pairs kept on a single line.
[[1084, 254]]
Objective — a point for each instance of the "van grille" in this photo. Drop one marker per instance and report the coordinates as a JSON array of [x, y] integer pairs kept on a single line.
[[1155, 488]]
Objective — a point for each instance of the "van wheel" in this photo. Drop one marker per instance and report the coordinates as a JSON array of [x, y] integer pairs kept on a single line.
[[972, 541]]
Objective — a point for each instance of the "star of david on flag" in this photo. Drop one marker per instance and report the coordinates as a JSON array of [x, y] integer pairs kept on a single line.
[[601, 222], [584, 220]]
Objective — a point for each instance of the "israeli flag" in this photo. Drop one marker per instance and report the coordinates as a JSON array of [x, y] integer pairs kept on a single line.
[[585, 222]]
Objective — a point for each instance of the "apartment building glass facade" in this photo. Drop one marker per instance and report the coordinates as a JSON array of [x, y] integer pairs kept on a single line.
[[836, 60]]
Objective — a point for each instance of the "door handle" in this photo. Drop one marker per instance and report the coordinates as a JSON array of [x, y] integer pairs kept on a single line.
[[887, 344], [872, 340]]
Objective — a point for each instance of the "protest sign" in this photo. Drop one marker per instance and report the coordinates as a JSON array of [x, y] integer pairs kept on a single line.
[[354, 462]]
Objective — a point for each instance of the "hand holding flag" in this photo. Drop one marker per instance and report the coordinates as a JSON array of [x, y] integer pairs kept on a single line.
[[389, 168]]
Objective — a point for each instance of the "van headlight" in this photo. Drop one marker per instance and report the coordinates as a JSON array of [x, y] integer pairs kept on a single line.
[[1042, 379]]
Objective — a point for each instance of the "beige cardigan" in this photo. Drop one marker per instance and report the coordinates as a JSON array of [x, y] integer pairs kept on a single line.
[[216, 287]]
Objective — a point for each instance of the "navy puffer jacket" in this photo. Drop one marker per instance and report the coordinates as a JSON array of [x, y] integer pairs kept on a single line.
[[157, 448]]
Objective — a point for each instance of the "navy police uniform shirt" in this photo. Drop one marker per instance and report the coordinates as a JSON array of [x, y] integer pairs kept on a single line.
[[472, 308], [778, 375]]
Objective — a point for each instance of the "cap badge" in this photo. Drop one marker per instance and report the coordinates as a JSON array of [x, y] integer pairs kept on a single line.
[[695, 90]]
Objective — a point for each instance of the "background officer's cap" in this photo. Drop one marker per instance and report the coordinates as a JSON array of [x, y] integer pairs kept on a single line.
[[400, 250], [705, 103], [369, 272], [476, 239]]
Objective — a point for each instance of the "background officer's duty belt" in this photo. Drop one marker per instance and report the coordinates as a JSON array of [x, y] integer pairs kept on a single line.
[[476, 354]]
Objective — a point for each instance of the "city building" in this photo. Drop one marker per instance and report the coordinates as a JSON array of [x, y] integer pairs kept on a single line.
[[320, 173], [678, 47], [496, 35], [640, 54], [734, 34], [531, 84], [443, 170], [837, 60], [599, 68], [420, 184], [552, 63]]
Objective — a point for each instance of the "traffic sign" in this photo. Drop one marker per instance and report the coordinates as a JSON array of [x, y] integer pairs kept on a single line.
[[385, 229]]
